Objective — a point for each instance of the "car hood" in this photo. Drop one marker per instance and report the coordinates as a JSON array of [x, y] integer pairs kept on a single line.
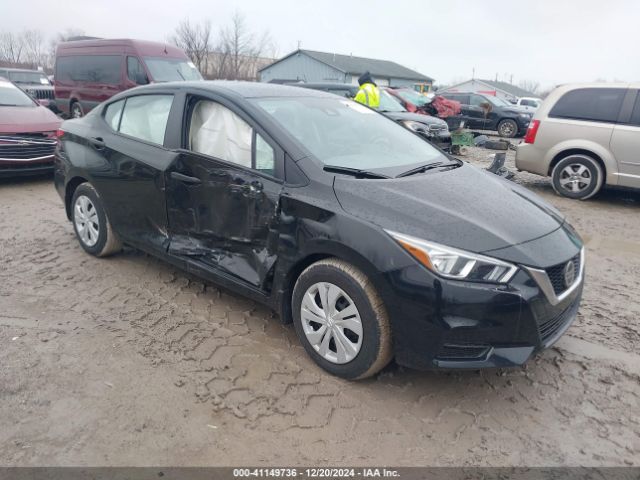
[[415, 117], [27, 120], [464, 207], [515, 109]]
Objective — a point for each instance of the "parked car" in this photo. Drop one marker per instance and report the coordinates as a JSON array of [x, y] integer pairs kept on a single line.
[[585, 136], [370, 240], [88, 72], [33, 82], [531, 104], [487, 112], [433, 129], [411, 100], [27, 133]]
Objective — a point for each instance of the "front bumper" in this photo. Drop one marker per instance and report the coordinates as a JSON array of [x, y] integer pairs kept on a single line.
[[439, 323], [19, 169]]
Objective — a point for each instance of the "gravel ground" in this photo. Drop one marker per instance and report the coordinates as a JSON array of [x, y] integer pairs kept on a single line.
[[128, 361]]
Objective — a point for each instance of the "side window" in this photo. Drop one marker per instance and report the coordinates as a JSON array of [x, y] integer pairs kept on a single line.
[[635, 115], [265, 156], [145, 117], [135, 72], [216, 131], [112, 114], [595, 104], [477, 100], [463, 99]]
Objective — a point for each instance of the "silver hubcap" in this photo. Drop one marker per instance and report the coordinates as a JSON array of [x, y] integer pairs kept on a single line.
[[331, 322], [575, 177], [507, 129], [85, 217]]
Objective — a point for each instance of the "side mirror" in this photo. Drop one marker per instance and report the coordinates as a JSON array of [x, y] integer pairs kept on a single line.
[[141, 78]]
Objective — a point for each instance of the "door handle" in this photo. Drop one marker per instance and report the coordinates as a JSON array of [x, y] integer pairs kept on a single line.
[[185, 178], [97, 142]]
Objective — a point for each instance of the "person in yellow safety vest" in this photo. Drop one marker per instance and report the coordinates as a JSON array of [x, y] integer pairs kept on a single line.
[[369, 93]]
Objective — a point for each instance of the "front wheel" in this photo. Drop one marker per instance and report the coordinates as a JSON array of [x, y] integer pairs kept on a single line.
[[577, 176], [91, 223], [341, 320], [508, 128]]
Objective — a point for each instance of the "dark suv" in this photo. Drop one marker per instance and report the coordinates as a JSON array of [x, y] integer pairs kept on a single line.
[[487, 112]]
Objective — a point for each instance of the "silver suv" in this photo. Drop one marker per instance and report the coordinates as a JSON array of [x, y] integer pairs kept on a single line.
[[585, 136]]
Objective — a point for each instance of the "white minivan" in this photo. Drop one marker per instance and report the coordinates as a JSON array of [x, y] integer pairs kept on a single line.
[[585, 136]]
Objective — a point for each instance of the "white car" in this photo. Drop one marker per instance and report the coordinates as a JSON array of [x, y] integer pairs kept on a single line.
[[529, 103]]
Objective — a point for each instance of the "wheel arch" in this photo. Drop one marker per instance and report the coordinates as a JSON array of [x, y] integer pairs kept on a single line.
[[69, 190], [595, 151], [313, 255]]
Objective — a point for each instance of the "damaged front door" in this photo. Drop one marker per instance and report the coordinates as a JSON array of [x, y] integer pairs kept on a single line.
[[223, 196]]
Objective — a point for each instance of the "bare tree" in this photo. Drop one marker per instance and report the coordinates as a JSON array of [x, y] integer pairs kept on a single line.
[[239, 51], [530, 86], [34, 48], [60, 37], [195, 40], [11, 47]]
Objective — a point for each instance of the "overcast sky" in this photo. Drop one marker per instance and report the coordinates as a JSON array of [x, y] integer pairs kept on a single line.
[[546, 41]]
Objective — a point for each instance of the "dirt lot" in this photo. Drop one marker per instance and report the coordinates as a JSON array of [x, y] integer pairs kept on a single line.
[[127, 361]]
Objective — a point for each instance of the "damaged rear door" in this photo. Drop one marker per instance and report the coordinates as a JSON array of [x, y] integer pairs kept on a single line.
[[223, 193]]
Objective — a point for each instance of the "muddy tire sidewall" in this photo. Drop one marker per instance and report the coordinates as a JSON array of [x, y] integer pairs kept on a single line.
[[376, 350], [108, 243], [594, 168]]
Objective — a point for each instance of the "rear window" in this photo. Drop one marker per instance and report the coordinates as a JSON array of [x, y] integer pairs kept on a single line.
[[89, 69], [635, 115], [144, 117], [593, 104]]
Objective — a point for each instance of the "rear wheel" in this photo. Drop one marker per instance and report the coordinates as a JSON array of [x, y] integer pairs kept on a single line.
[[508, 128], [76, 110], [91, 223], [577, 176], [341, 320]]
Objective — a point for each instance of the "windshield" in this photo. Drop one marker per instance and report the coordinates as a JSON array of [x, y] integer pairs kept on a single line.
[[414, 97], [389, 104], [11, 96], [164, 69], [341, 132], [498, 102], [28, 77]]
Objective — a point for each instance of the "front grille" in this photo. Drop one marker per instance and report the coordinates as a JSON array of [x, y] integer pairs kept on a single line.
[[41, 93], [26, 166], [26, 147], [549, 329], [462, 352], [556, 274]]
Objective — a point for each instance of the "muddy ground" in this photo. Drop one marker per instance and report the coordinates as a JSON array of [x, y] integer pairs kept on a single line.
[[128, 361]]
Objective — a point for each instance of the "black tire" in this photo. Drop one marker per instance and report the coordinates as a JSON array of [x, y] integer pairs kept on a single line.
[[75, 110], [376, 345], [106, 242], [508, 128], [592, 174]]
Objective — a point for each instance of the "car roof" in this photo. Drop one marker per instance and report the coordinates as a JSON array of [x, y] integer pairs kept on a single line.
[[21, 70], [349, 86], [239, 89]]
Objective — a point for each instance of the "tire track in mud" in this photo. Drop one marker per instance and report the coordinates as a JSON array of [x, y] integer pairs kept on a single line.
[[235, 357]]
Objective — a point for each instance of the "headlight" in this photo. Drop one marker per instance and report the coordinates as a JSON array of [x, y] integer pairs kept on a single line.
[[455, 264], [415, 126]]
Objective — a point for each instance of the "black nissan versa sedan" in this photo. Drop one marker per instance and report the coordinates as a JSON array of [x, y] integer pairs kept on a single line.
[[371, 241]]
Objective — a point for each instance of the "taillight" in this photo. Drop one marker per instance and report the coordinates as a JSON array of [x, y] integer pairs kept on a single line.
[[532, 131]]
